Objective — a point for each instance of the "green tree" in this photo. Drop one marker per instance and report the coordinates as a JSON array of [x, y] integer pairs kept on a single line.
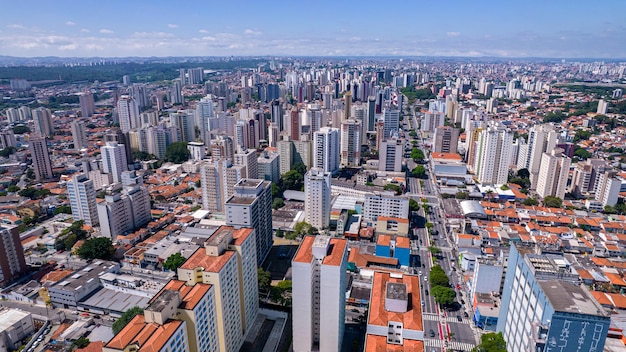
[[414, 205], [177, 152], [293, 180], [70, 241], [303, 228], [265, 279], [13, 189], [125, 319], [417, 155], [7, 151], [434, 250], [582, 135], [174, 261], [21, 129], [97, 248], [491, 342], [552, 202], [393, 187], [300, 168], [438, 277], [276, 191], [419, 172], [443, 295], [278, 203], [80, 343], [523, 173], [556, 116], [530, 201], [582, 153], [64, 209], [461, 195]]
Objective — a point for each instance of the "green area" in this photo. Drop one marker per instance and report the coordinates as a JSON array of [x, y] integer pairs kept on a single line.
[[413, 94], [393, 187], [491, 342], [419, 172], [596, 90], [69, 236], [417, 154], [125, 319], [552, 202], [554, 116], [174, 261], [97, 248], [177, 152]]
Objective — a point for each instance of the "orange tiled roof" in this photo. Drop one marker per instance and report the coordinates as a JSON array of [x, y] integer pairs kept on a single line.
[[378, 315], [375, 343]]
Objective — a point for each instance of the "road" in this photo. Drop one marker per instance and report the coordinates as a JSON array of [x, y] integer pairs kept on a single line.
[[449, 332]]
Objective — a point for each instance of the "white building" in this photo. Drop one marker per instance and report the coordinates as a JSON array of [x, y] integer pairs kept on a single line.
[[114, 160], [268, 164], [603, 107], [553, 174], [541, 139], [317, 198], [218, 181], [78, 134], [319, 289], [197, 150], [326, 149], [41, 157], [204, 112], [493, 155], [87, 104], [385, 204], [391, 118], [82, 195], [15, 326], [432, 120], [42, 119], [128, 112], [124, 212], [608, 188], [251, 206], [350, 143], [390, 155]]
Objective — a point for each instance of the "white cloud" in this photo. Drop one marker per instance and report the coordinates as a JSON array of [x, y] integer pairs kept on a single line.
[[84, 30], [106, 31], [172, 25], [453, 34], [251, 32], [203, 31], [70, 23], [15, 26], [209, 38]]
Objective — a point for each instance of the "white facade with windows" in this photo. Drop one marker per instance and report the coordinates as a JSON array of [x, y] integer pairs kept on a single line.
[[82, 195], [317, 198]]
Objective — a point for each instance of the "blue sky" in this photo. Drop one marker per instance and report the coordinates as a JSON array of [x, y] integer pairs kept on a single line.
[[530, 28]]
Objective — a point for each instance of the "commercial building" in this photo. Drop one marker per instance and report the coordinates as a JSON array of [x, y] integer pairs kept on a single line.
[[228, 263], [390, 154], [41, 158], [385, 204], [317, 198], [83, 282], [545, 307], [82, 195], [395, 322], [319, 290], [12, 263], [251, 206], [15, 326], [446, 140], [394, 247], [391, 118]]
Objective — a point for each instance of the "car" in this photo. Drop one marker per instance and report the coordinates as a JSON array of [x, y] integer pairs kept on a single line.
[[420, 273], [426, 292], [462, 302], [354, 310], [423, 303], [458, 317], [425, 278], [465, 314], [432, 333]]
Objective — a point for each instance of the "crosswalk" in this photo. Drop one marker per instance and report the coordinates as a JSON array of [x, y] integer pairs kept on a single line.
[[453, 345], [449, 319]]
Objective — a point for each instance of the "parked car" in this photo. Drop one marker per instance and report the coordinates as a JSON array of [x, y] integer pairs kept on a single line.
[[432, 333], [458, 317], [465, 314]]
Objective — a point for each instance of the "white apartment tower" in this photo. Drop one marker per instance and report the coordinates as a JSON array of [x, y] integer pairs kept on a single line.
[[391, 118], [218, 182], [42, 118], [87, 104], [204, 112], [553, 174], [326, 144], [128, 112], [319, 285], [124, 212], [541, 139], [493, 155], [317, 198], [251, 206], [603, 107], [82, 196], [390, 155], [114, 160], [78, 134]]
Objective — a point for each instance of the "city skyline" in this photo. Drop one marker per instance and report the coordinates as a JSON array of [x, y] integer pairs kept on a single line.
[[532, 29]]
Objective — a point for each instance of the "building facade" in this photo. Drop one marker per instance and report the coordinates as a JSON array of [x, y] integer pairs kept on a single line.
[[82, 195], [317, 198]]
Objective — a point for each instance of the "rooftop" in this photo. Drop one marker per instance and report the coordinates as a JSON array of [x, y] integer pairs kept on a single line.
[[240, 200], [163, 299], [570, 298], [412, 319], [8, 317]]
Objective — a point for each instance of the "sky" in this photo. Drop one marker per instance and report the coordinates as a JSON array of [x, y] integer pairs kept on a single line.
[[113, 28]]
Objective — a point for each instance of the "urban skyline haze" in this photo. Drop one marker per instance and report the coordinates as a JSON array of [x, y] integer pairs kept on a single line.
[[555, 29]]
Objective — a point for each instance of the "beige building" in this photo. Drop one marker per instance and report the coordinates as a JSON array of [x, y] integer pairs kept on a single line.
[[553, 174], [218, 181], [228, 263], [446, 140]]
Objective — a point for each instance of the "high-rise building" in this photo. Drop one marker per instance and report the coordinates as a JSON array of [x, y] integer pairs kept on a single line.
[[25, 113], [545, 307], [128, 112], [390, 154], [586, 175], [317, 198], [197, 150], [276, 115], [553, 174], [12, 262], [116, 135], [204, 113], [183, 120], [42, 118], [41, 158], [493, 155], [608, 189], [391, 119], [247, 158], [432, 120], [319, 286], [294, 129], [385, 204], [222, 148], [218, 182], [395, 313], [87, 104], [251, 206], [124, 212], [603, 107], [78, 134], [176, 92], [347, 106], [371, 114], [228, 263], [285, 152], [446, 140], [326, 149], [541, 139], [268, 164], [82, 196], [114, 160], [350, 152], [7, 139]]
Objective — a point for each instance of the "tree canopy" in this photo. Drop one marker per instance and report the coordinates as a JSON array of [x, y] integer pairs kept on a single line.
[[174, 261], [417, 154], [21, 129], [265, 279], [552, 202], [491, 342], [303, 228], [413, 205], [393, 187], [125, 319], [177, 152], [438, 277], [97, 248], [443, 295], [419, 172]]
